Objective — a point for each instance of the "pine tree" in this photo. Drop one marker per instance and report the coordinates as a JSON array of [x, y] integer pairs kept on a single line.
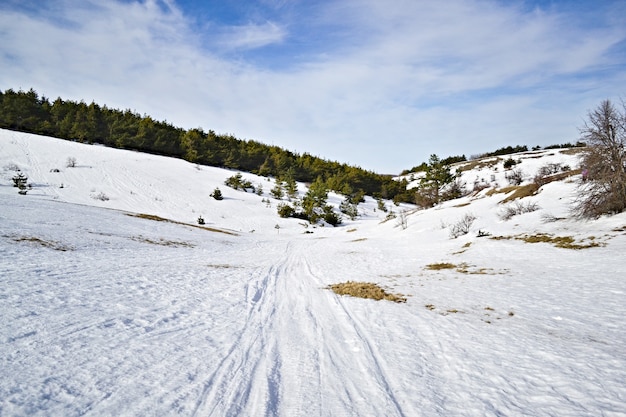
[[217, 194], [436, 176]]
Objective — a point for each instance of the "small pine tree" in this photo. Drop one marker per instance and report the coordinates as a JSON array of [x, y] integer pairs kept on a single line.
[[217, 194], [285, 210], [277, 192], [349, 209], [330, 216], [20, 180], [291, 187]]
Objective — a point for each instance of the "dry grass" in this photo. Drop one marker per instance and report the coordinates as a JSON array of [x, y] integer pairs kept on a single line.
[[365, 290], [463, 248], [43, 243], [439, 266], [163, 242], [521, 191], [463, 268], [487, 162], [565, 242], [222, 266], [528, 190], [573, 151], [161, 219]]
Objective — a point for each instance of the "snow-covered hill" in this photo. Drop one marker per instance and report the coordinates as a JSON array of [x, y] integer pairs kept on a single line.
[[109, 313]]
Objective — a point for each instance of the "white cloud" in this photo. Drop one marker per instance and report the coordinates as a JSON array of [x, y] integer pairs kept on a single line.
[[386, 85], [251, 36]]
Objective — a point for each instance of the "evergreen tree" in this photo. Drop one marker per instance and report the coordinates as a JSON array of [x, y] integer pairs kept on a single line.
[[314, 200], [217, 194], [436, 176]]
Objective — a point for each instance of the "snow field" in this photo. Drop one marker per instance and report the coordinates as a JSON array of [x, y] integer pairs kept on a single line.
[[109, 314]]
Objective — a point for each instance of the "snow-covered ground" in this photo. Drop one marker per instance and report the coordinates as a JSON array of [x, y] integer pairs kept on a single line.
[[105, 313]]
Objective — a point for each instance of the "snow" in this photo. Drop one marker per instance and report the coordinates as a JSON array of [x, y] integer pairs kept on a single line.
[[106, 313]]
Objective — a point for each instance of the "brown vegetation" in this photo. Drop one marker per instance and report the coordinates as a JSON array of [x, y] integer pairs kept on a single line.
[[365, 290]]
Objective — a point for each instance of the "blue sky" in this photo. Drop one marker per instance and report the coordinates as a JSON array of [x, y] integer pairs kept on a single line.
[[378, 84]]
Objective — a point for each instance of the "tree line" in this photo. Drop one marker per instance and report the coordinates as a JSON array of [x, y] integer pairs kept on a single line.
[[26, 111]]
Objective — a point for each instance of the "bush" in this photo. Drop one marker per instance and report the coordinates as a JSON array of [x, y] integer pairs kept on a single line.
[[19, 181], [455, 189], [509, 163], [330, 217], [380, 204], [238, 183], [518, 208], [515, 176], [402, 220], [277, 192], [285, 210], [100, 196], [349, 209], [71, 162], [463, 226], [217, 194]]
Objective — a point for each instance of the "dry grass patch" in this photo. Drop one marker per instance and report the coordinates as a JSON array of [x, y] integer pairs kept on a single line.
[[222, 266], [365, 290], [440, 265], [163, 242], [463, 268], [573, 151], [565, 242], [161, 219], [478, 164], [463, 248], [520, 191], [50, 244]]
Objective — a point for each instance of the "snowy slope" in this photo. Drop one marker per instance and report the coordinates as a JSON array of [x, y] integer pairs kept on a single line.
[[105, 313]]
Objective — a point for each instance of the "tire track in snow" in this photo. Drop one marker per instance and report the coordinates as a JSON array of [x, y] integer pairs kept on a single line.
[[290, 357], [374, 359], [234, 386]]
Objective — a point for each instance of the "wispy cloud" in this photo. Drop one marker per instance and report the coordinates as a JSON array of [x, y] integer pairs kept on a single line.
[[378, 84], [251, 36]]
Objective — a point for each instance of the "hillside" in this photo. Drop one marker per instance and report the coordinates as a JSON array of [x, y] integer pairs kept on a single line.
[[109, 310]]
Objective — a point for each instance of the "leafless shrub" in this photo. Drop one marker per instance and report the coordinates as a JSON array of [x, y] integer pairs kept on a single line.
[[550, 218], [479, 186], [604, 162], [402, 220], [463, 226], [71, 162], [515, 176], [455, 189], [516, 208], [545, 171], [100, 196]]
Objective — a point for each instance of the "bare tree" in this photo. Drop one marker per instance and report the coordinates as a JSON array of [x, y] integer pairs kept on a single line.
[[603, 190]]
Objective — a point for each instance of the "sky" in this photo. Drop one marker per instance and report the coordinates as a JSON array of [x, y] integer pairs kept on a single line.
[[380, 85]]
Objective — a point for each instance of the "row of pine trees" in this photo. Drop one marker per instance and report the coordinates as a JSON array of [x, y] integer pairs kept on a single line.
[[26, 111]]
